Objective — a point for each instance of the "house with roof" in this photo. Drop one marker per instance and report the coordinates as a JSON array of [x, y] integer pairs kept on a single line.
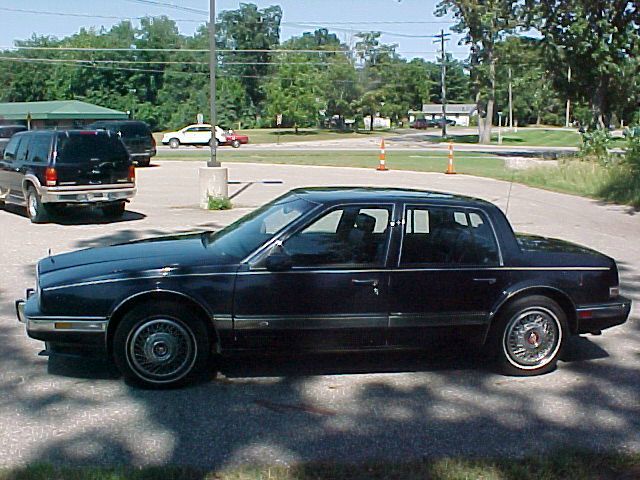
[[56, 114], [460, 112]]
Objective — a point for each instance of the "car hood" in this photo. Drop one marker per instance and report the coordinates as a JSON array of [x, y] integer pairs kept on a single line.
[[183, 251]]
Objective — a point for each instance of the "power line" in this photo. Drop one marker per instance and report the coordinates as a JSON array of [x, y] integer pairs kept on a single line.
[[170, 5], [86, 15]]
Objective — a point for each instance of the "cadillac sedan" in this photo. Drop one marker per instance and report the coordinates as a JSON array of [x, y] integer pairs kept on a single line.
[[326, 269]]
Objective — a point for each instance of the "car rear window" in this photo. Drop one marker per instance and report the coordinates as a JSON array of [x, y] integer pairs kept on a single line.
[[81, 147], [134, 129]]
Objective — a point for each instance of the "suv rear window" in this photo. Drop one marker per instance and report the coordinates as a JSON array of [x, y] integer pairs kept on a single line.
[[8, 132], [81, 147]]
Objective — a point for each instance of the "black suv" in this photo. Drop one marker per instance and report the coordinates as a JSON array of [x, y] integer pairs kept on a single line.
[[136, 136], [8, 131], [44, 169]]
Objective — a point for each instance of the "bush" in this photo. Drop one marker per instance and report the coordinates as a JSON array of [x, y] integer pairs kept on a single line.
[[595, 146], [632, 153], [218, 203]]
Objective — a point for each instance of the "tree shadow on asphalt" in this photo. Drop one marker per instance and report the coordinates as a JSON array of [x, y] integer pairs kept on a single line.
[[347, 407], [80, 216]]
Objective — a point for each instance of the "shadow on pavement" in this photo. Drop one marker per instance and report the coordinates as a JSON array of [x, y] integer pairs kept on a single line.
[[79, 216]]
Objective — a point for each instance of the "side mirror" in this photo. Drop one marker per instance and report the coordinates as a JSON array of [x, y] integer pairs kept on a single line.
[[278, 261]]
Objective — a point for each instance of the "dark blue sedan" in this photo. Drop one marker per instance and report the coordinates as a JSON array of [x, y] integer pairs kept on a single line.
[[326, 269]]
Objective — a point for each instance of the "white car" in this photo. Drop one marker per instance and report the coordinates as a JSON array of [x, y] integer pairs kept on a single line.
[[198, 134]]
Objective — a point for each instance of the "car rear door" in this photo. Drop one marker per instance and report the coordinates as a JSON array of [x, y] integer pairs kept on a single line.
[[448, 275], [335, 295], [91, 158]]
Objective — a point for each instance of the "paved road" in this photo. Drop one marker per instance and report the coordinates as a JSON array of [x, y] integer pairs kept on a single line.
[[412, 141], [346, 407]]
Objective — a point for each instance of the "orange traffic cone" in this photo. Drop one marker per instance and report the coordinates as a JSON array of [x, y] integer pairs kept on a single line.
[[382, 167], [450, 169]]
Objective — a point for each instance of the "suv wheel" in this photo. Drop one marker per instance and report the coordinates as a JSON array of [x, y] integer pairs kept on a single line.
[[113, 210], [144, 162], [36, 210], [529, 335], [174, 143], [160, 345]]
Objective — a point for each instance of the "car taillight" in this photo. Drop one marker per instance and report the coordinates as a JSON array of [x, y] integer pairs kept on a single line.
[[132, 173], [51, 177]]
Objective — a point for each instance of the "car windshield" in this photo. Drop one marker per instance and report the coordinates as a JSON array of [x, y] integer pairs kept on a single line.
[[134, 130], [246, 235]]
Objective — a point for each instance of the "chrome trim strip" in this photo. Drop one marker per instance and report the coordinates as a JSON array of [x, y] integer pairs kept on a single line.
[[223, 322], [341, 271], [76, 327], [404, 320], [89, 188], [310, 322], [65, 318]]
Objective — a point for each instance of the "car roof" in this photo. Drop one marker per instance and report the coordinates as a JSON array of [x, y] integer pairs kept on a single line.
[[367, 194], [118, 122]]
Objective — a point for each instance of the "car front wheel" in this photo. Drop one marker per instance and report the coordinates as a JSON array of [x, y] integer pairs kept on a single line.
[[529, 335], [236, 144], [160, 345]]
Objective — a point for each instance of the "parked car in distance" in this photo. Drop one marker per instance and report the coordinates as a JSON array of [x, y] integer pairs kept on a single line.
[[420, 124], [135, 135], [234, 139], [437, 122], [197, 135], [46, 169], [326, 269], [8, 131]]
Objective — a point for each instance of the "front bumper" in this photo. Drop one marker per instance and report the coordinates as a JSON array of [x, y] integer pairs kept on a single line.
[[79, 334], [88, 194], [594, 318]]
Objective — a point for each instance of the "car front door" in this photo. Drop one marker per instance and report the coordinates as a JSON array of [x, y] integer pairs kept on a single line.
[[329, 289], [17, 167], [448, 275]]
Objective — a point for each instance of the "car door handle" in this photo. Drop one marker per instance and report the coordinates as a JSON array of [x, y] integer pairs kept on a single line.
[[490, 281], [365, 283]]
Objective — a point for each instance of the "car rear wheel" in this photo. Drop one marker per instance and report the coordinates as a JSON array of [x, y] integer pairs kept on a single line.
[[236, 144], [36, 210], [528, 336], [114, 210], [174, 143], [161, 345]]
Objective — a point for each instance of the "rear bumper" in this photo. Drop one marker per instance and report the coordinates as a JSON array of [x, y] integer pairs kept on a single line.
[[88, 194], [594, 318]]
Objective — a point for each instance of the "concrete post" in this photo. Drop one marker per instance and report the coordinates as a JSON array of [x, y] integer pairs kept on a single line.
[[214, 182]]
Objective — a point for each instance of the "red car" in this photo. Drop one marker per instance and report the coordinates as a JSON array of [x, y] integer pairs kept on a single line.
[[234, 139]]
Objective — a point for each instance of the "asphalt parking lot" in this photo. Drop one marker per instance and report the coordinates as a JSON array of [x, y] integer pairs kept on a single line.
[[340, 407]]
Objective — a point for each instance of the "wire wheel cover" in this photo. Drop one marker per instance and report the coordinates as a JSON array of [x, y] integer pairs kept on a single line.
[[161, 350], [532, 338]]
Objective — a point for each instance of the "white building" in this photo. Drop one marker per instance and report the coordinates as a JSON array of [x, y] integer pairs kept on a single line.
[[460, 112]]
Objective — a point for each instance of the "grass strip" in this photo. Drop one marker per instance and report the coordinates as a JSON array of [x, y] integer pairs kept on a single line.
[[568, 464]]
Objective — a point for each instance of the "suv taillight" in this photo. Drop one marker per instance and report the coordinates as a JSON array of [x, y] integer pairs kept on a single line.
[[51, 177], [132, 173]]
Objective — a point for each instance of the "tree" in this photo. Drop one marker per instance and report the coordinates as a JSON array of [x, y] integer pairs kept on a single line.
[[484, 25], [249, 28], [599, 40]]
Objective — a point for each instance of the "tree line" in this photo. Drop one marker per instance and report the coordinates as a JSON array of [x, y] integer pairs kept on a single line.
[[161, 76]]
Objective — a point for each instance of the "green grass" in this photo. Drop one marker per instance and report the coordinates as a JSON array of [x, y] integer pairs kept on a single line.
[[534, 137], [563, 465], [469, 163]]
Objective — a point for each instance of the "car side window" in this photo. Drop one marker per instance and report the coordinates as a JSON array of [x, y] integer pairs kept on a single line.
[[11, 149], [23, 149], [449, 236], [345, 236], [39, 149]]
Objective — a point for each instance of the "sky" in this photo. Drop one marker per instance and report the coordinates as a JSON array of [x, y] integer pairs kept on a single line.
[[328, 13]]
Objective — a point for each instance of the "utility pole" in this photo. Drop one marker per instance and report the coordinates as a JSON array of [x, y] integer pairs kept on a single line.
[[213, 160], [568, 113], [510, 102], [443, 78], [213, 179]]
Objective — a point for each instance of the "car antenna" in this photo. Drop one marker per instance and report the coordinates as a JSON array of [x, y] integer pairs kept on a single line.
[[50, 257], [513, 174]]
